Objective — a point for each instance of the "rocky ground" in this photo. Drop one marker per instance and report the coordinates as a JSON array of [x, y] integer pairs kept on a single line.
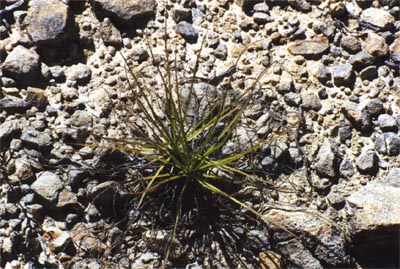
[[333, 65]]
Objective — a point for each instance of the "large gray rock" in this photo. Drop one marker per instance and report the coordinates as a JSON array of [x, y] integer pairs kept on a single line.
[[388, 143], [13, 105], [47, 186], [327, 239], [47, 20], [378, 17], [342, 75], [8, 131], [374, 221], [22, 64], [367, 162], [125, 11], [35, 139], [327, 160], [187, 31]]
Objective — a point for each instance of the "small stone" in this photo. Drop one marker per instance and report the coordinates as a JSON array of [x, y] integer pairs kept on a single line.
[[327, 160], [346, 169], [23, 171], [35, 97], [395, 50], [321, 72], [350, 44], [361, 119], [292, 99], [47, 20], [110, 34], [388, 143], [79, 72], [309, 48], [376, 45], [369, 73], [22, 64], [261, 18], [8, 130], [32, 138], [310, 101], [375, 107], [47, 186], [67, 200], [367, 163], [13, 105], [221, 52], [285, 82], [378, 17], [187, 31], [343, 75], [361, 59], [345, 133], [261, 7], [124, 11], [81, 119], [336, 200], [387, 123], [300, 5], [182, 14]]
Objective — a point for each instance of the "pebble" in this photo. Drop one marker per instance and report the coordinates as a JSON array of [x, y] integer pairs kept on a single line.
[[13, 105], [47, 21], [350, 44], [327, 160], [261, 18], [309, 48], [36, 97], [34, 139], [187, 31], [361, 59], [310, 101], [346, 169], [110, 34], [387, 123], [369, 73], [182, 14], [367, 162], [47, 186], [22, 64], [375, 107], [8, 130], [388, 143], [343, 75], [125, 12], [376, 45], [79, 73], [378, 17]]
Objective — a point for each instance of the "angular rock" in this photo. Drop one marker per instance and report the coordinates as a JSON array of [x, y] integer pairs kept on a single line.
[[82, 236], [13, 105], [374, 221], [35, 97], [360, 118], [187, 31], [125, 11], [182, 14], [375, 107], [81, 119], [47, 21], [361, 59], [23, 171], [346, 169], [22, 64], [367, 163], [343, 75], [376, 45], [68, 201], [388, 143], [79, 72], [8, 130], [328, 240], [47, 186], [309, 48], [110, 34], [310, 101], [395, 50], [387, 123], [32, 138], [261, 18], [58, 240], [300, 5], [378, 17], [327, 161]]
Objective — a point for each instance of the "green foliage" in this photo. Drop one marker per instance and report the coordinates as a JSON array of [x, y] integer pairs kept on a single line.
[[184, 143]]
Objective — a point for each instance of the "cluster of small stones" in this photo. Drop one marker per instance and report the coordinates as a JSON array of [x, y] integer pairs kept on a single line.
[[334, 64]]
